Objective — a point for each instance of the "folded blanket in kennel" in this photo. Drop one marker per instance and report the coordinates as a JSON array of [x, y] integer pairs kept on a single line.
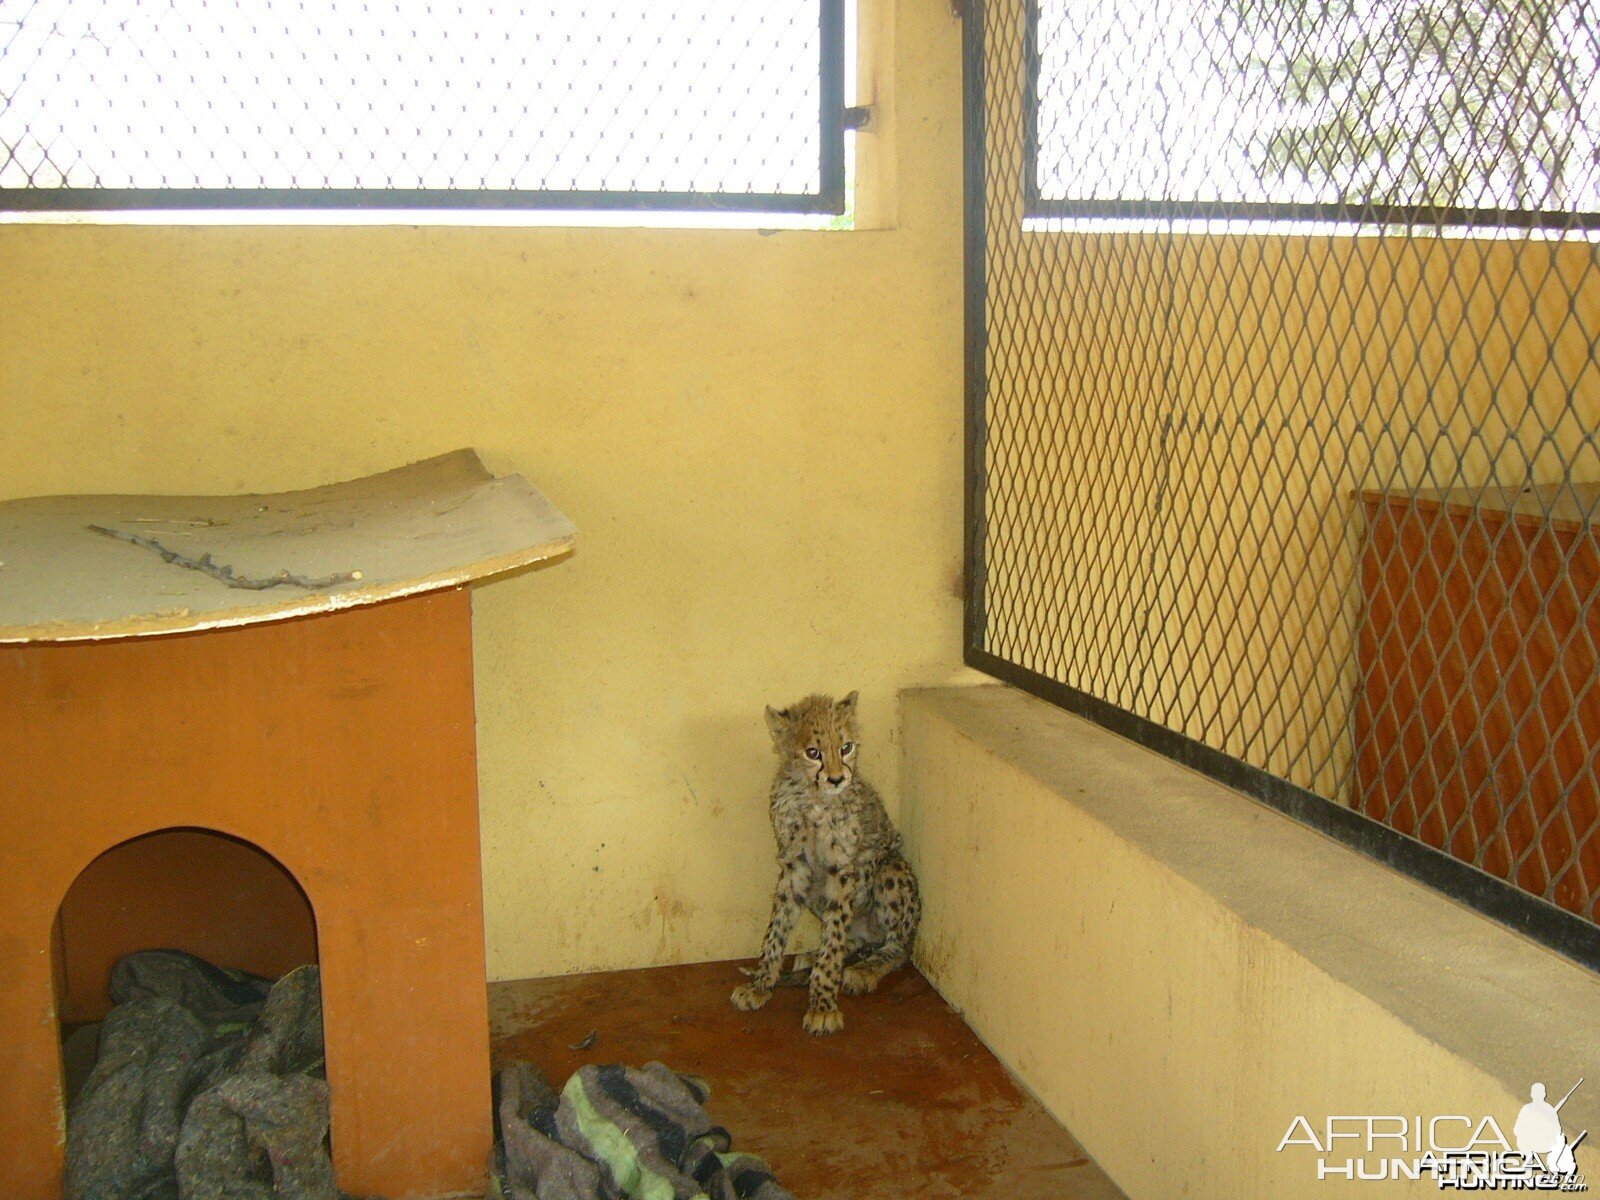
[[208, 1086]]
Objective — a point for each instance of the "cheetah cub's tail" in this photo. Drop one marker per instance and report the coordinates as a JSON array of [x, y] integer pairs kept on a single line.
[[799, 975]]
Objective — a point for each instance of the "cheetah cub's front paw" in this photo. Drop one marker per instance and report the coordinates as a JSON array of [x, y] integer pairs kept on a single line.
[[819, 1020], [747, 997]]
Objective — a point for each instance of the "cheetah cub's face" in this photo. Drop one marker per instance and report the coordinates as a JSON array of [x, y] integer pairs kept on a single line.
[[816, 738]]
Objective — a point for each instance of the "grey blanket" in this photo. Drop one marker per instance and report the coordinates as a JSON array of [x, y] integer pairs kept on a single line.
[[208, 1087], [615, 1132]]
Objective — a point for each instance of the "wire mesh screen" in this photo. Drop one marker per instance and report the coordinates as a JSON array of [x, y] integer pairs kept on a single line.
[[705, 103], [1286, 401]]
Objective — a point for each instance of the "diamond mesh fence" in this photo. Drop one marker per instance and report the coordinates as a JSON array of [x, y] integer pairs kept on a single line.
[[1288, 397], [705, 103]]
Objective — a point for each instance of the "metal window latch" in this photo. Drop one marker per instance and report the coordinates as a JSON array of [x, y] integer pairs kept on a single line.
[[858, 116]]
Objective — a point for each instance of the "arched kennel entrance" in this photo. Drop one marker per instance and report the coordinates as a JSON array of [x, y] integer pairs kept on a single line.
[[212, 895]]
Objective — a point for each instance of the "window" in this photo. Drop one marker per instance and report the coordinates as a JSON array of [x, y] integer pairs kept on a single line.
[[1454, 112], [699, 104]]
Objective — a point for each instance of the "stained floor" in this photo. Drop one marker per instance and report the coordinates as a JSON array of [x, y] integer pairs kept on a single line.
[[905, 1103]]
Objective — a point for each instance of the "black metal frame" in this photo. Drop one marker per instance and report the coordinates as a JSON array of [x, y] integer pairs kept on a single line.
[[830, 198], [1561, 931], [1035, 204]]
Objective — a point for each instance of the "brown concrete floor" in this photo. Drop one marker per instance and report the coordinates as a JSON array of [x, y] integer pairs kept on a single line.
[[905, 1103]]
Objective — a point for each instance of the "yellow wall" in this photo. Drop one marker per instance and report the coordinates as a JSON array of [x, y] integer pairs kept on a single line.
[[1152, 955], [757, 435]]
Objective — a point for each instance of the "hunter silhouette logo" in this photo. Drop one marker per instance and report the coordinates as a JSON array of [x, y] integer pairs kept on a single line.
[[1538, 1132], [1457, 1151]]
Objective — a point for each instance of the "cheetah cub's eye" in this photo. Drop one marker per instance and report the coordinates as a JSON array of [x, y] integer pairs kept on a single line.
[[847, 747], [813, 753]]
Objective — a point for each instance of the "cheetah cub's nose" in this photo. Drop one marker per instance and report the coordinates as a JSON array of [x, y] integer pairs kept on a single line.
[[835, 780]]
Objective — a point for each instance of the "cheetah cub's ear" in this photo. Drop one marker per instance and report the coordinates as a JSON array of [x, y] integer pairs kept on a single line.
[[779, 722], [847, 706]]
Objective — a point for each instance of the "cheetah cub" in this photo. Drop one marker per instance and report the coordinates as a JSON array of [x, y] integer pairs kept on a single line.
[[839, 856]]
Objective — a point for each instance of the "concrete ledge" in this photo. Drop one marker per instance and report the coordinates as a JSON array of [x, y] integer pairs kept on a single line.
[[1178, 972]]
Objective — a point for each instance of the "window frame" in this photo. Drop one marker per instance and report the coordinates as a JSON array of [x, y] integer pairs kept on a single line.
[[829, 199]]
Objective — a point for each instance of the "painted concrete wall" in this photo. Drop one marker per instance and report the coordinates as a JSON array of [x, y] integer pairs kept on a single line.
[[1152, 954], [758, 436]]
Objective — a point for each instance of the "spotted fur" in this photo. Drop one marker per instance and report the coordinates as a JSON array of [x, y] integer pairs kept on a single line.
[[839, 856]]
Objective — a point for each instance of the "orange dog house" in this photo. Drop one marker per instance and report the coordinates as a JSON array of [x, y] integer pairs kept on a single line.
[[243, 726]]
